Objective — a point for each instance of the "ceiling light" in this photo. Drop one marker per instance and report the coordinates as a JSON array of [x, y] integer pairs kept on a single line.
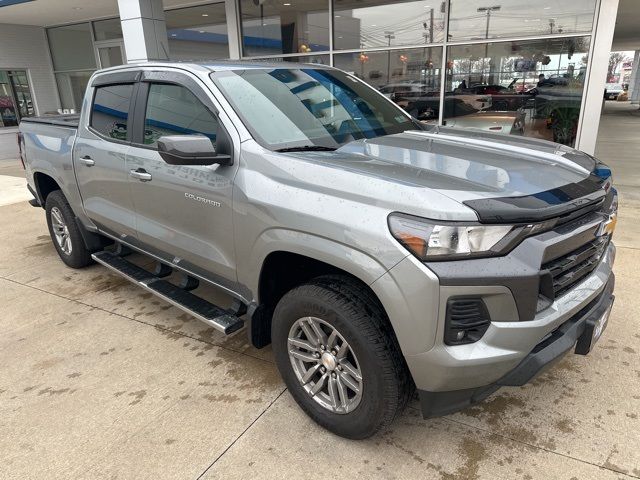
[[205, 14], [286, 4], [374, 25]]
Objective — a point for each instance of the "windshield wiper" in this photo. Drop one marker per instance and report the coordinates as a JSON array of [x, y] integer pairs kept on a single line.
[[306, 148]]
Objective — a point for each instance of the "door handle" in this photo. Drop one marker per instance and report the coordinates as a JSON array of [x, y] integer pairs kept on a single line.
[[141, 175], [87, 160]]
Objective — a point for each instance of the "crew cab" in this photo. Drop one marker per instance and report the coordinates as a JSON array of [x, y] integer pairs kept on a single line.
[[378, 256]]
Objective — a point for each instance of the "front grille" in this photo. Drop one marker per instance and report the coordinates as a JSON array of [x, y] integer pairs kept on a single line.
[[567, 270]]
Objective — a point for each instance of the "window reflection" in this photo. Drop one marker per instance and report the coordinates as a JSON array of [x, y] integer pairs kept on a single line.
[[284, 27], [531, 88], [411, 78], [382, 23], [197, 33], [479, 19]]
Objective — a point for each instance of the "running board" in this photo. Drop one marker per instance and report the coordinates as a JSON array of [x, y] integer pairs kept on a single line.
[[214, 316]]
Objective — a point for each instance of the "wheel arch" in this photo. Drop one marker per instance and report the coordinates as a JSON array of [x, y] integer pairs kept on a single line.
[[45, 184], [290, 259]]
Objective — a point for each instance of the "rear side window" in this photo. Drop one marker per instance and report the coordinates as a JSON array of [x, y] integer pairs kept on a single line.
[[174, 110], [110, 111]]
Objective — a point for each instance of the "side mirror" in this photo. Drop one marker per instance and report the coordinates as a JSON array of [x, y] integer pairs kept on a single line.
[[190, 150]]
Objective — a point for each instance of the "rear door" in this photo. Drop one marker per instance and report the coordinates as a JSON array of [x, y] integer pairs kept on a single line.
[[184, 213], [100, 152]]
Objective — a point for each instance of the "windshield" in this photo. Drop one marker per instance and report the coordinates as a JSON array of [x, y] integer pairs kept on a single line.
[[291, 107]]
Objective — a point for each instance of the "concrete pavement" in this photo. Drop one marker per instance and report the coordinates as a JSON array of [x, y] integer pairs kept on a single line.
[[100, 380]]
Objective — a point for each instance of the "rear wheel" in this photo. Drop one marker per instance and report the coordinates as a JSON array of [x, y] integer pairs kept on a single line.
[[338, 356], [65, 232]]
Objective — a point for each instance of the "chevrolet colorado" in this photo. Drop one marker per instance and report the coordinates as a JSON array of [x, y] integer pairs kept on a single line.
[[377, 255]]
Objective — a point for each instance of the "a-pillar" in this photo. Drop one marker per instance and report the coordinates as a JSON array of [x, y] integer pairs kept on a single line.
[[144, 30]]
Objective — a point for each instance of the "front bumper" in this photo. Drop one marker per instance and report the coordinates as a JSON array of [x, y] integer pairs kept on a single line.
[[550, 350]]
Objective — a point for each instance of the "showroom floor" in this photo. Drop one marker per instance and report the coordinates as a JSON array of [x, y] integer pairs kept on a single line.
[[98, 380]]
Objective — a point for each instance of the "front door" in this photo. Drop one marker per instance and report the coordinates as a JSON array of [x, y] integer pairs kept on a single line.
[[184, 213], [100, 160]]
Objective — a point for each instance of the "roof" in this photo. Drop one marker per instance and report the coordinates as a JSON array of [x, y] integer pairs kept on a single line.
[[219, 65]]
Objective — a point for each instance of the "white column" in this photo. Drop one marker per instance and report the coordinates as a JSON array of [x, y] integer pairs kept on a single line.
[[634, 81], [601, 40], [233, 28], [144, 30]]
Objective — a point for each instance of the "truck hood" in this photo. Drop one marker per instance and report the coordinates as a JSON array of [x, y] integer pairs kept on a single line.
[[501, 178]]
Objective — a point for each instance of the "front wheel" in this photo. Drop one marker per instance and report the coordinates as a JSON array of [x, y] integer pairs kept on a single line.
[[65, 232], [338, 356]]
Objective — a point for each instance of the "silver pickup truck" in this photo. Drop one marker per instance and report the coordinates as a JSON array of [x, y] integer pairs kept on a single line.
[[378, 256]]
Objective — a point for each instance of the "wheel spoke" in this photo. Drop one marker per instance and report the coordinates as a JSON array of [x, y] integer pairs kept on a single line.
[[302, 344], [305, 357], [351, 370], [309, 333], [57, 217], [332, 339], [342, 392], [320, 335], [349, 382], [319, 384], [307, 376], [333, 392], [342, 351]]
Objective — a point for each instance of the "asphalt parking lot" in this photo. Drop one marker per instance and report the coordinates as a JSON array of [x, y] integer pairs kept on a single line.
[[98, 379]]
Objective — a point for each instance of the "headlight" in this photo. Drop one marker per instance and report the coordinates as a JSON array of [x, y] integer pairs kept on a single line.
[[431, 241]]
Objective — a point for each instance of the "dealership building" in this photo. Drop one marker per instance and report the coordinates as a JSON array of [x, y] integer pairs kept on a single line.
[[514, 66]]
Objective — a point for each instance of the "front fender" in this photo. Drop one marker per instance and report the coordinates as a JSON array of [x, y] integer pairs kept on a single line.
[[344, 257], [409, 291]]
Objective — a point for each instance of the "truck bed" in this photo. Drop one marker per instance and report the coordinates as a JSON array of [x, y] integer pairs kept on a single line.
[[66, 120]]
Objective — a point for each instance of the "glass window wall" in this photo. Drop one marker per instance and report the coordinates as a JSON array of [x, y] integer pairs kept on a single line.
[[110, 29], [16, 101], [531, 88], [295, 26], [482, 19], [72, 47], [71, 88], [197, 33], [367, 24], [409, 77]]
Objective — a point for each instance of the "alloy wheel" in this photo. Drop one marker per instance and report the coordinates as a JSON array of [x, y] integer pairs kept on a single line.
[[61, 231], [325, 365]]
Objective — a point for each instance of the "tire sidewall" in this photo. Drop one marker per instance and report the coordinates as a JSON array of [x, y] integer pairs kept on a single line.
[[366, 417], [79, 253]]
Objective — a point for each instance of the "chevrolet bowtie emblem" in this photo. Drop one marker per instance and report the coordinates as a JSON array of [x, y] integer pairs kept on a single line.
[[608, 226]]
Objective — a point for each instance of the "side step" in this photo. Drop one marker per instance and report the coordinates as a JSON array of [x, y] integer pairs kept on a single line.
[[214, 316]]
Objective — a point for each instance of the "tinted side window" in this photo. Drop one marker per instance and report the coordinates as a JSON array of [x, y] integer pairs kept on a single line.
[[110, 111], [174, 110]]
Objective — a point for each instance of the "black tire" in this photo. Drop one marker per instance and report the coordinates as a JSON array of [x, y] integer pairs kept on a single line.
[[79, 256], [353, 310]]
